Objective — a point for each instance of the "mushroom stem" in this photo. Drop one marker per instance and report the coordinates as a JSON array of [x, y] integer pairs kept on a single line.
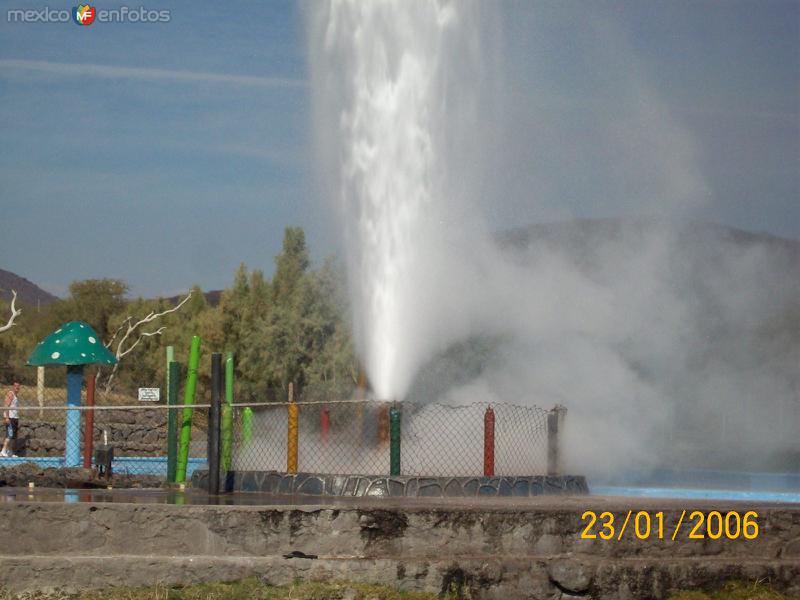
[[72, 455]]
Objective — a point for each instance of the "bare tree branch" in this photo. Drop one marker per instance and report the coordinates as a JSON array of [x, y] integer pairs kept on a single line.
[[126, 343], [15, 312], [158, 331], [118, 331]]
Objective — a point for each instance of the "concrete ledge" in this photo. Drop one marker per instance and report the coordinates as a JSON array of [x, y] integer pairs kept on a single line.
[[487, 548], [376, 486], [483, 578]]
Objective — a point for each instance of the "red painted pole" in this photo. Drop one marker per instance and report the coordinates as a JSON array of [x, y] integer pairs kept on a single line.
[[88, 424], [324, 425], [488, 443]]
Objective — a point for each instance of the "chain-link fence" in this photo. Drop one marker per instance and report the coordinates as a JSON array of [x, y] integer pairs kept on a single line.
[[348, 437], [355, 438], [51, 434]]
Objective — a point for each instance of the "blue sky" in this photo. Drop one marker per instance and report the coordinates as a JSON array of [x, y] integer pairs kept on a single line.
[[165, 154]]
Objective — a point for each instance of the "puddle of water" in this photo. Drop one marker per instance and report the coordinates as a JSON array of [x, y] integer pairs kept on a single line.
[[696, 494], [195, 497], [201, 498]]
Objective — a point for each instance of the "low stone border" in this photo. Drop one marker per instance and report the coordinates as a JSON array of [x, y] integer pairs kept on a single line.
[[376, 486]]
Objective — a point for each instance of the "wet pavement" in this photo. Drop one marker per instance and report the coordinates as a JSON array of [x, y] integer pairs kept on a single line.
[[195, 497]]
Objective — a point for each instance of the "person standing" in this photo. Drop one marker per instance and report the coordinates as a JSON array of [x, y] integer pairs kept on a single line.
[[11, 420]]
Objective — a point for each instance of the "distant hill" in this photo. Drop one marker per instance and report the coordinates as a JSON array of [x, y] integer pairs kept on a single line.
[[585, 235], [581, 238], [27, 292], [578, 238]]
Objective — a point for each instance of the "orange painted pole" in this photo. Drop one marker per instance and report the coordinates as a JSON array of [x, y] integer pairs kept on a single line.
[[488, 443], [88, 423], [292, 433], [383, 425]]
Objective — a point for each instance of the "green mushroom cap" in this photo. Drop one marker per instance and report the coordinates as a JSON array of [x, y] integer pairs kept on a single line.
[[74, 343]]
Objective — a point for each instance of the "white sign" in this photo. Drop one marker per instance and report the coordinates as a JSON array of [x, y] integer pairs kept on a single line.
[[149, 394]]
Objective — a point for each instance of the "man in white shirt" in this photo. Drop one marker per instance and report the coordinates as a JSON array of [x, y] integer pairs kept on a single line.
[[11, 420]]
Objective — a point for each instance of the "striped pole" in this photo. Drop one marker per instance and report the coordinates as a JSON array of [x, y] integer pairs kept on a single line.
[[488, 443], [394, 441]]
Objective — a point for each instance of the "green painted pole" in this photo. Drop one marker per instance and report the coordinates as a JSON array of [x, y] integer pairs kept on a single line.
[[394, 441], [173, 374], [170, 358], [227, 415], [247, 425], [229, 378], [188, 401]]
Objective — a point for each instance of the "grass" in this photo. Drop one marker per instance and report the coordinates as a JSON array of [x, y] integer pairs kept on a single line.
[[736, 590], [248, 589]]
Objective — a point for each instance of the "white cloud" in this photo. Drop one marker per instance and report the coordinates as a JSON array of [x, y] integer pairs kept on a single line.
[[119, 72]]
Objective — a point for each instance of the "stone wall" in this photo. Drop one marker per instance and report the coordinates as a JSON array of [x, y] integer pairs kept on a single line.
[[529, 548], [139, 433]]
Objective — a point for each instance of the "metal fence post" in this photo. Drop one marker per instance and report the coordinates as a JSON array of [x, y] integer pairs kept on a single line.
[[172, 421], [555, 419], [292, 433], [40, 390], [88, 423], [214, 413], [324, 425], [188, 402], [488, 443], [227, 415], [394, 441], [247, 425]]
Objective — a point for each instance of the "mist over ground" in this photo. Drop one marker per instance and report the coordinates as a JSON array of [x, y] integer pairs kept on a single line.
[[671, 344]]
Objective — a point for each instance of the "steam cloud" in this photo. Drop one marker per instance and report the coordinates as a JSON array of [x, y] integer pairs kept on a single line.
[[663, 338]]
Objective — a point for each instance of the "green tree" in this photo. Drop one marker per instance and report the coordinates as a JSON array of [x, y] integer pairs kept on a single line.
[[290, 265], [94, 301]]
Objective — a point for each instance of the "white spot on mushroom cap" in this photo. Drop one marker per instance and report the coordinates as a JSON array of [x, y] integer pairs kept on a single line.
[[83, 354], [91, 340], [55, 355]]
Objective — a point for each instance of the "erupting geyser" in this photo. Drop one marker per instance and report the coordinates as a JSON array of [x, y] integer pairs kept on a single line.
[[394, 86]]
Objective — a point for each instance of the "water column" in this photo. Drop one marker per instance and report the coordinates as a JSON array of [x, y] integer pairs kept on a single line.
[[389, 124]]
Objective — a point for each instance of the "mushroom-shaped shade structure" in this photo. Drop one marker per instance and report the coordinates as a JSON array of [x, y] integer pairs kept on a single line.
[[74, 343]]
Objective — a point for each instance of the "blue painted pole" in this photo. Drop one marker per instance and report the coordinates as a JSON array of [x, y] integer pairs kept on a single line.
[[72, 454]]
